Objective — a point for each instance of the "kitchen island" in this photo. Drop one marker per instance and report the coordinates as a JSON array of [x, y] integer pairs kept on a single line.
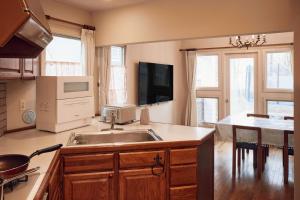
[[179, 167]]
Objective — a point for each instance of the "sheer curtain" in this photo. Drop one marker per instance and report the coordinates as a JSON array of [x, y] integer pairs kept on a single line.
[[88, 51], [112, 76], [191, 64], [59, 68], [104, 75], [117, 87]]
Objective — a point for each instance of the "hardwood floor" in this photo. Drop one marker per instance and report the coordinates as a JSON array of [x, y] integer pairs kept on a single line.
[[245, 186]]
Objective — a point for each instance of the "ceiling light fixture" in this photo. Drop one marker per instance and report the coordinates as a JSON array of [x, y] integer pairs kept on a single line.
[[253, 42]]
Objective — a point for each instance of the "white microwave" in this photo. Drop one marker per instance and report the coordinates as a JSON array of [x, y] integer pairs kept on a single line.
[[67, 87]]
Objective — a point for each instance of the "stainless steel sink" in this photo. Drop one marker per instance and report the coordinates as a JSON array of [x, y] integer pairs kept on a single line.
[[114, 137]]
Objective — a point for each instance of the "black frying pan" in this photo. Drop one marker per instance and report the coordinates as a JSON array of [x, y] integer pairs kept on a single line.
[[12, 164]]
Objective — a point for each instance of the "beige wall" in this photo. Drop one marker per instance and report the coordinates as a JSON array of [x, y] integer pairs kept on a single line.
[[66, 12], [176, 19], [25, 90], [165, 53], [19, 90]]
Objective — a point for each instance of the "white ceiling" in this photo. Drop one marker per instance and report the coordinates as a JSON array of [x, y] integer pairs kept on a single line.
[[94, 5]]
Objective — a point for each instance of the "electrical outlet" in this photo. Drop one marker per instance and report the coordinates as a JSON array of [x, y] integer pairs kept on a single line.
[[22, 105]]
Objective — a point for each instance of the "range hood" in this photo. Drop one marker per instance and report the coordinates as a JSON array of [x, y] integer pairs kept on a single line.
[[24, 30]]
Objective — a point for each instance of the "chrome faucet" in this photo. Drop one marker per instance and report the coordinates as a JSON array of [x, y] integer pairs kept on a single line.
[[113, 121], [112, 125]]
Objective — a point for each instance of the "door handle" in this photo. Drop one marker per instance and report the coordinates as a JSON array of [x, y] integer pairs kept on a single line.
[[158, 164], [226, 100]]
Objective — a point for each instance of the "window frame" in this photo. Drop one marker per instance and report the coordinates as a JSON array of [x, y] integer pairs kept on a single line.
[[43, 54], [277, 99], [219, 71], [124, 55], [265, 69], [218, 109]]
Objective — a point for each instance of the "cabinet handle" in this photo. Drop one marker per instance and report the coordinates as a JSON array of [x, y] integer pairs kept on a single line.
[[157, 163]]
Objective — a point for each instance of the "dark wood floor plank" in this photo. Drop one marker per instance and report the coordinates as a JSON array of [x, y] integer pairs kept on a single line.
[[246, 187]]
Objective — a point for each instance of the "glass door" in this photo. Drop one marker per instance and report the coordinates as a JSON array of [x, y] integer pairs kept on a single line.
[[241, 87]]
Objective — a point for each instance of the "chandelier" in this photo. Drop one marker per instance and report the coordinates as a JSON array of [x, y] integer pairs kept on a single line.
[[253, 42]]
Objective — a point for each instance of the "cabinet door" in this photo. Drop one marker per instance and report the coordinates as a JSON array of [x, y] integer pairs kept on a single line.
[[54, 188], [89, 186], [142, 184], [30, 67], [10, 68]]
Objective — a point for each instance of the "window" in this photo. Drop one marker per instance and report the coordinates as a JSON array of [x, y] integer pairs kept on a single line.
[[241, 91], [117, 88], [280, 108], [207, 110], [279, 70], [63, 56], [207, 72]]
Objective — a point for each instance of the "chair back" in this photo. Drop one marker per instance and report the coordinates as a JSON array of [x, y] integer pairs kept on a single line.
[[288, 118], [257, 115], [256, 130]]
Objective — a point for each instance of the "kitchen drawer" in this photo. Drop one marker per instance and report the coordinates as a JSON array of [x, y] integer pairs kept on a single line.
[[74, 109], [140, 159], [86, 163], [183, 175], [183, 193], [183, 156]]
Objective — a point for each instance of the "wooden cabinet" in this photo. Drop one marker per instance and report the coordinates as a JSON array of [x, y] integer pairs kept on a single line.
[[87, 163], [142, 184], [175, 171], [183, 193], [89, 177], [10, 68], [51, 186], [54, 186], [140, 159], [183, 173], [15, 68], [89, 186], [30, 67]]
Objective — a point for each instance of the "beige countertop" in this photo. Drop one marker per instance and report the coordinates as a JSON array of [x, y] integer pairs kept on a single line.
[[26, 142]]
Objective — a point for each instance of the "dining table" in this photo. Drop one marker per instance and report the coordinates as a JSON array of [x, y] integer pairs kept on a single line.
[[272, 134], [272, 129]]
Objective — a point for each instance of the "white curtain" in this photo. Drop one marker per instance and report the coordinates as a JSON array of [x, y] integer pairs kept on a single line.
[[191, 111], [117, 89], [57, 68], [88, 51], [104, 75]]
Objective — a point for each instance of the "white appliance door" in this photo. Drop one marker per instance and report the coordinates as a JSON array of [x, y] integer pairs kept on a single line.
[[74, 87], [74, 109]]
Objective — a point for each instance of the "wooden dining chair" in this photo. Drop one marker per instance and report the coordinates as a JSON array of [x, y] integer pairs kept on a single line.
[[287, 151], [266, 147], [256, 147]]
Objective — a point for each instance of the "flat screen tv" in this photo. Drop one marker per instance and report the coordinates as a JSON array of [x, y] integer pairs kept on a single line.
[[155, 83]]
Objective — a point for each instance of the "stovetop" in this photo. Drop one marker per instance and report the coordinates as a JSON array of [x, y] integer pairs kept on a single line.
[[9, 187]]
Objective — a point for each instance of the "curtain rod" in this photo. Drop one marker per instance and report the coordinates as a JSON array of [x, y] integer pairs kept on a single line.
[[72, 23], [212, 48]]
